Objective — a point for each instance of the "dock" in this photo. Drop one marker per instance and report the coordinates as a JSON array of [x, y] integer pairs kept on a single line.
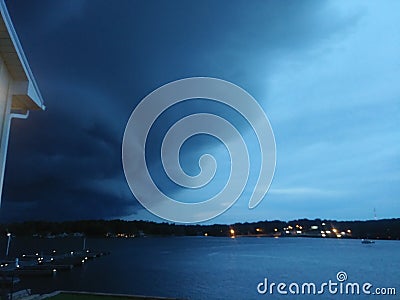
[[12, 271]]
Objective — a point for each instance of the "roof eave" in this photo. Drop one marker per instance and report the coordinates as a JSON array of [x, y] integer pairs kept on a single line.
[[32, 91]]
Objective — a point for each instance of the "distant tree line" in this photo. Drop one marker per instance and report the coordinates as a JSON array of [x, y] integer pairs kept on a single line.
[[373, 229]]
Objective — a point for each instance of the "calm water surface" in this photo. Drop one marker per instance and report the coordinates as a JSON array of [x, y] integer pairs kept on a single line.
[[219, 268]]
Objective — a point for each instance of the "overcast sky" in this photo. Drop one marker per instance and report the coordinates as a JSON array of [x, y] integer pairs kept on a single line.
[[325, 72]]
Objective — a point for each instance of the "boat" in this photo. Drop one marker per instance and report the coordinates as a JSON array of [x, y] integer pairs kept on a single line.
[[367, 241], [49, 267], [22, 272]]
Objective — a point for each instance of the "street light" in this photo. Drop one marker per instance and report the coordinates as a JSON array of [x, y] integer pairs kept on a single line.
[[8, 243]]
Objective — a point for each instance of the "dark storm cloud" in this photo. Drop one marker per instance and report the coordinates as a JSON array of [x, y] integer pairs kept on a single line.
[[70, 170], [94, 61]]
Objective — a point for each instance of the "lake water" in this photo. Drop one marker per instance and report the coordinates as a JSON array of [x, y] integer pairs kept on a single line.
[[220, 268]]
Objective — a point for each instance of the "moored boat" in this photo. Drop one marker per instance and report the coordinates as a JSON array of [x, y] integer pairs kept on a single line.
[[367, 241]]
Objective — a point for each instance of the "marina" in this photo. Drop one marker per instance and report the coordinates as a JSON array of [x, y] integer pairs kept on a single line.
[[40, 266]]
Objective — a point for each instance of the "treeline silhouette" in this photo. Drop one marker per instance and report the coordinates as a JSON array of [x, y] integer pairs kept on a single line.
[[372, 229]]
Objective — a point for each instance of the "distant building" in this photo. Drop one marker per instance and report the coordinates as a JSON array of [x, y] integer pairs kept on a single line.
[[19, 92]]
